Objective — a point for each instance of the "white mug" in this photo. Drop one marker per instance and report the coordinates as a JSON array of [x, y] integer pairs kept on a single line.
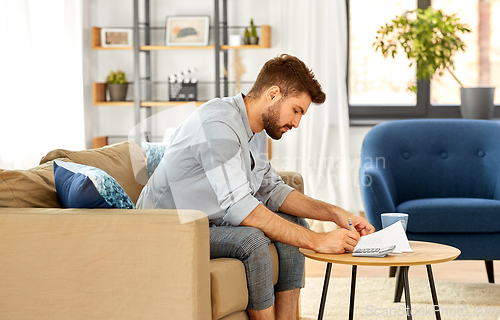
[[391, 218]]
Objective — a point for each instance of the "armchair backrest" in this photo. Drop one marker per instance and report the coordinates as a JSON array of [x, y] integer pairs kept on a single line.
[[434, 158]]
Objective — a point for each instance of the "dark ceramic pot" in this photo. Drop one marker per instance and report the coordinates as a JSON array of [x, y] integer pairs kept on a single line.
[[117, 91], [254, 40], [477, 102]]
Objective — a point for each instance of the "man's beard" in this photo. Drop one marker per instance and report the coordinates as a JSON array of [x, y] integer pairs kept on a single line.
[[271, 121]]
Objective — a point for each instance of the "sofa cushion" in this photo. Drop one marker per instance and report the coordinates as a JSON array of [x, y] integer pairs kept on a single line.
[[240, 315], [28, 188], [124, 161], [228, 284], [154, 153], [452, 215], [275, 262], [80, 186], [293, 179]]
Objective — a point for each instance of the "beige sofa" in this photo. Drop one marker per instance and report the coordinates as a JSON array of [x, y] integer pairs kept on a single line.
[[109, 263]]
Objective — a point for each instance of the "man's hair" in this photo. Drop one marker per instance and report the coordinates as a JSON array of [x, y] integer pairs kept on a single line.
[[291, 75]]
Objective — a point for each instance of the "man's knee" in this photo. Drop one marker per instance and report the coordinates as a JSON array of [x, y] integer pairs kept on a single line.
[[302, 222], [297, 220], [238, 242], [255, 242]]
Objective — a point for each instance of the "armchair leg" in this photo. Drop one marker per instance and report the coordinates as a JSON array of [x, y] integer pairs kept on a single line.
[[392, 271], [489, 271]]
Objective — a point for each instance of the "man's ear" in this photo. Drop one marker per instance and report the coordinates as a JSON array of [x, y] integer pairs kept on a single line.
[[273, 93]]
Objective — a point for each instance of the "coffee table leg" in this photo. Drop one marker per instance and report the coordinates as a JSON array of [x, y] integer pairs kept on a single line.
[[404, 270], [325, 290], [353, 290], [398, 292], [433, 292]]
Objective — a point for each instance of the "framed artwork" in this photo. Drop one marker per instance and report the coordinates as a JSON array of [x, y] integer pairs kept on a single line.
[[187, 31], [116, 37]]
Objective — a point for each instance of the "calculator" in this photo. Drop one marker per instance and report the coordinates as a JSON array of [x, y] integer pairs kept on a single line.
[[373, 252]]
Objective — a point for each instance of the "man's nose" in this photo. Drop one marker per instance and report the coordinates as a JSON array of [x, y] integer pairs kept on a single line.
[[296, 121]]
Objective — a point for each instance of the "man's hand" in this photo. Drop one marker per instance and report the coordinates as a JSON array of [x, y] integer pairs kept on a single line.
[[282, 230], [362, 226], [301, 205], [337, 241]]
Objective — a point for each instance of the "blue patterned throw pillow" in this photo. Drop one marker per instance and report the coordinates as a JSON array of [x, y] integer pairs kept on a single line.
[[80, 186], [154, 154]]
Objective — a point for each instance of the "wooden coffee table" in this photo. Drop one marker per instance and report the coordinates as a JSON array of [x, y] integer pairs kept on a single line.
[[425, 253]]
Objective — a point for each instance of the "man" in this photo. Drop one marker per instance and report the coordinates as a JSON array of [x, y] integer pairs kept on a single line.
[[217, 163]]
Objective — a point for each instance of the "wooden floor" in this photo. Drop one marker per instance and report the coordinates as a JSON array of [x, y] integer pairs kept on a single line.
[[457, 271]]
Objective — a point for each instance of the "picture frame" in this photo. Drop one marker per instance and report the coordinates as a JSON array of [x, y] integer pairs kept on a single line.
[[187, 31], [116, 37]]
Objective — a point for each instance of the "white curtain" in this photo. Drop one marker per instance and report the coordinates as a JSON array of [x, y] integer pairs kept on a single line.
[[41, 88], [316, 32]]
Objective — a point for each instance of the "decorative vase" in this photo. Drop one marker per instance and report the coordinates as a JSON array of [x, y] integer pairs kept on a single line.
[[477, 102], [254, 40], [117, 91]]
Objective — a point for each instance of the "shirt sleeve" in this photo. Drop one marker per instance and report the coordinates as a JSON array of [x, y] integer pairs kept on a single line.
[[220, 157], [273, 191]]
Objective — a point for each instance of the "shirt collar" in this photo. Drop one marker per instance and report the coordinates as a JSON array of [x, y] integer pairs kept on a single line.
[[240, 103]]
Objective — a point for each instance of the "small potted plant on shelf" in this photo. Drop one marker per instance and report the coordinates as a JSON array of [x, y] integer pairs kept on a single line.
[[430, 39], [117, 85], [254, 39], [246, 37]]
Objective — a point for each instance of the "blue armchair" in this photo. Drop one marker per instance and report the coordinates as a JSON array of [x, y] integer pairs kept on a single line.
[[444, 174]]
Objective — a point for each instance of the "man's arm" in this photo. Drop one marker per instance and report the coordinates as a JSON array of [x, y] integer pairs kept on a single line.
[[277, 196], [300, 205], [281, 230]]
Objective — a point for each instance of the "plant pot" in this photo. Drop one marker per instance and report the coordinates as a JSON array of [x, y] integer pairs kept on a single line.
[[117, 91], [246, 40], [254, 40], [477, 102]]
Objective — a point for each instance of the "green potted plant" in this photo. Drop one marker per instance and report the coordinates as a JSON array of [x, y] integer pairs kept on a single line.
[[430, 39], [254, 39], [117, 85], [246, 36]]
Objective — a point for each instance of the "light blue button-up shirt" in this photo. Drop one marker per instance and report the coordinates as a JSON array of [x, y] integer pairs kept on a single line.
[[216, 164]]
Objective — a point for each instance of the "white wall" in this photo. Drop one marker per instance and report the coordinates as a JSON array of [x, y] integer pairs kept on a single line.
[[357, 136]]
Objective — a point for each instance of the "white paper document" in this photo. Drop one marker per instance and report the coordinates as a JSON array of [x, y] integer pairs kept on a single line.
[[393, 234]]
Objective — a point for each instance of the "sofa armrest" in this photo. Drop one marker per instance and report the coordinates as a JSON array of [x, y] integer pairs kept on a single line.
[[496, 195], [103, 264], [293, 179]]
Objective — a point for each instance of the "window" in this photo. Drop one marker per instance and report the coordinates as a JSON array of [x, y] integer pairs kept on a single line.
[[377, 86], [374, 80]]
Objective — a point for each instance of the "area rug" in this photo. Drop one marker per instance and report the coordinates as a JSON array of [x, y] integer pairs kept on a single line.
[[374, 299]]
